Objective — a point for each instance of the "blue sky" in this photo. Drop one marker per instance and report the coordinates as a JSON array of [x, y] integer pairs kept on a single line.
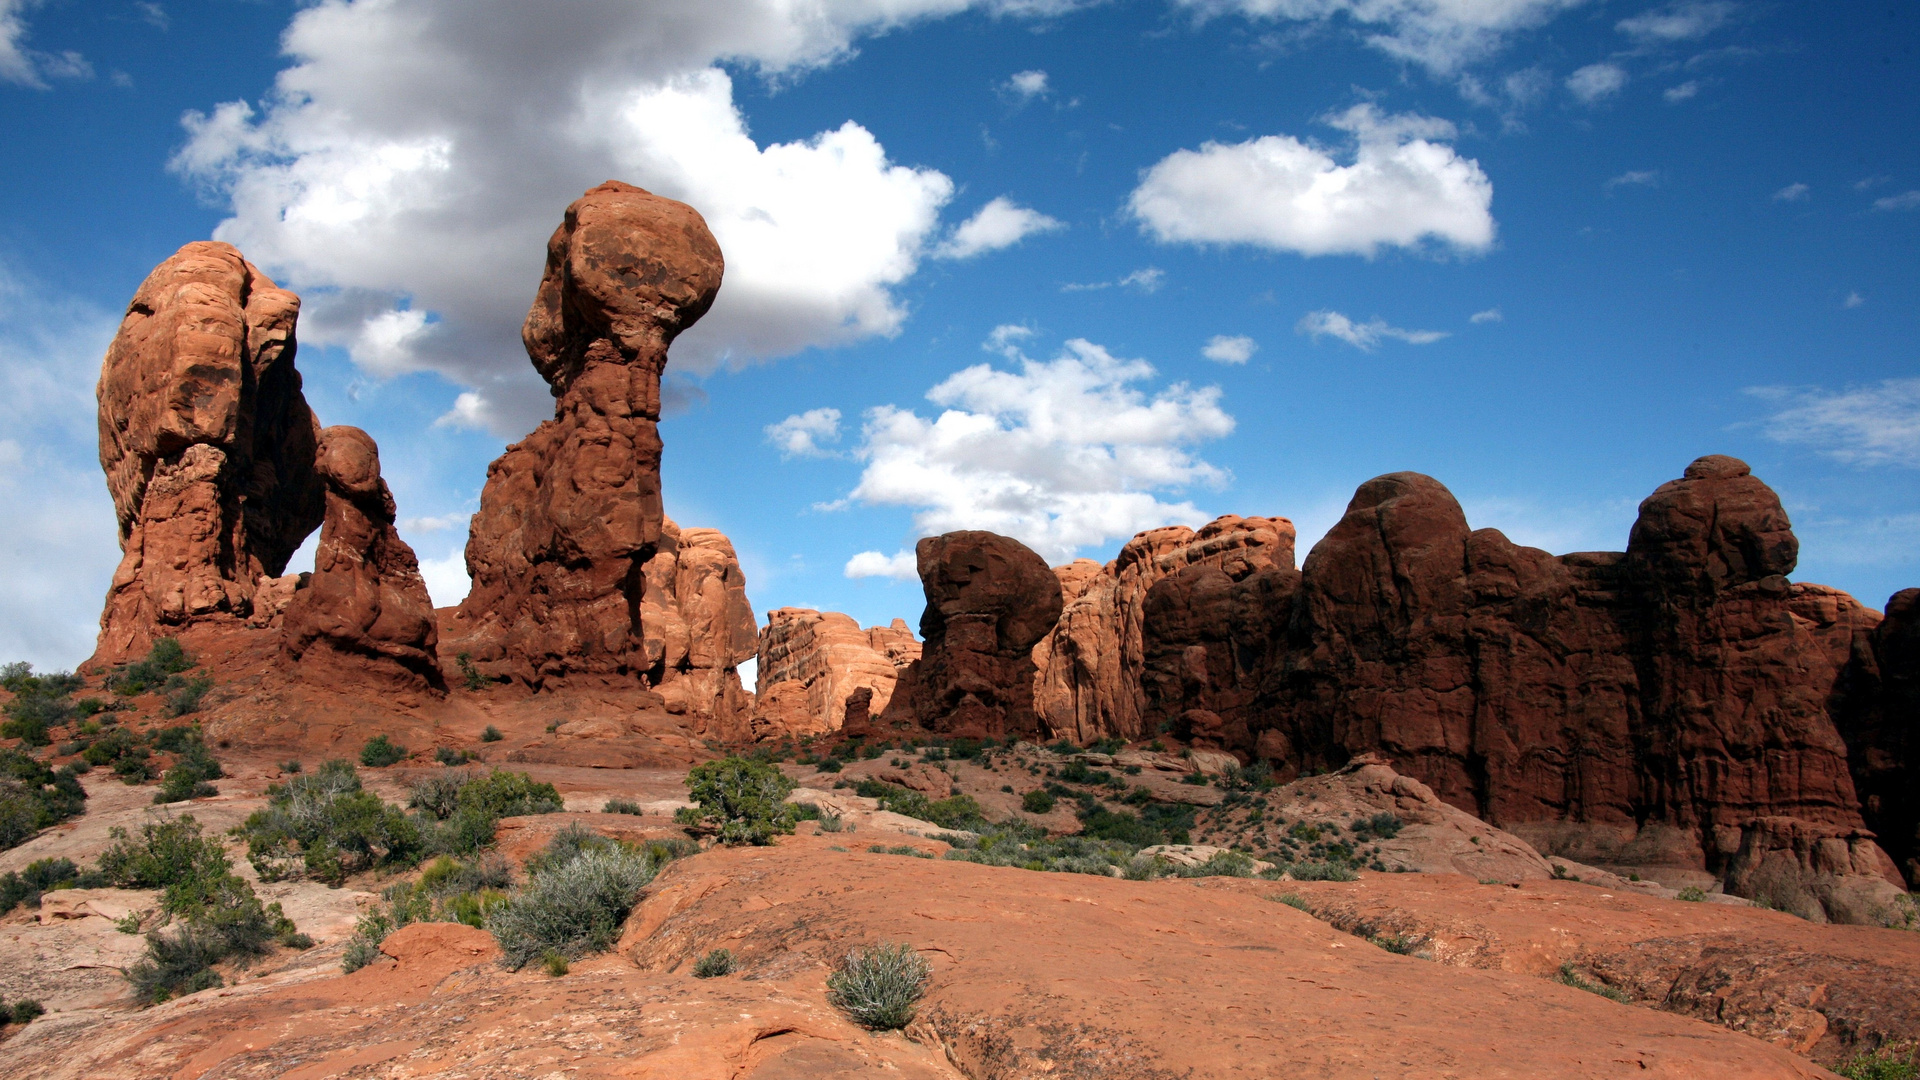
[[1061, 269]]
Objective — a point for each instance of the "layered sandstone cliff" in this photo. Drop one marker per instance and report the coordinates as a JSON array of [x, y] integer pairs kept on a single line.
[[208, 447], [818, 670], [697, 628]]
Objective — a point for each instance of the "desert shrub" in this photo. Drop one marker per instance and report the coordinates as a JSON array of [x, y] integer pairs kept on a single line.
[[894, 798], [325, 824], [470, 675], [436, 793], [577, 893], [33, 796], [899, 849], [622, 806], [185, 693], [166, 659], [1037, 801], [1567, 976], [1882, 1064], [380, 752], [714, 964], [40, 703], [1383, 826], [742, 799], [1154, 823], [1221, 864], [448, 890], [41, 876], [447, 755], [1312, 870], [957, 812], [24, 1011], [1293, 900], [491, 734], [1693, 894], [1014, 843], [878, 987], [191, 771]]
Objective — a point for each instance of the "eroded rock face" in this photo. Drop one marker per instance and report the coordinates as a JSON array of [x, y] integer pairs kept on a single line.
[[1644, 706], [1881, 723], [365, 610], [571, 515], [990, 600], [208, 446], [1093, 666], [819, 671], [698, 629]]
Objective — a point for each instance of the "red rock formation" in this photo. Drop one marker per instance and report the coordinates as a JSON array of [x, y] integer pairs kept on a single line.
[[1880, 719], [989, 602], [208, 446], [698, 628], [1093, 663], [365, 611], [1644, 706], [812, 665], [571, 514]]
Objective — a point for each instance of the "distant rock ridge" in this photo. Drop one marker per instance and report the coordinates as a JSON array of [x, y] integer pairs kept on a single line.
[[819, 672]]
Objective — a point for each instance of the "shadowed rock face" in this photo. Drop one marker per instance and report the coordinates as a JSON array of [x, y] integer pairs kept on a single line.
[[207, 443], [1881, 723], [989, 601], [365, 611], [571, 514]]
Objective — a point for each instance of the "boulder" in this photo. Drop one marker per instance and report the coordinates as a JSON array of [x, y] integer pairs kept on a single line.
[[819, 670], [570, 516], [990, 600], [208, 447], [364, 613]]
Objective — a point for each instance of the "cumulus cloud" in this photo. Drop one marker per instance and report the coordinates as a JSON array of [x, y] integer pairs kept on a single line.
[[801, 434], [900, 566], [1230, 350], [1596, 82], [999, 224], [1906, 200], [1402, 189], [1792, 193], [1059, 453], [1363, 336], [1147, 279], [1868, 425], [1682, 21], [1439, 35], [446, 578], [416, 153], [1490, 315], [1024, 86], [28, 67]]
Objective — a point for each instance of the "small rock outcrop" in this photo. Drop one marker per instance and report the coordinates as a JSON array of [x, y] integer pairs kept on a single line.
[[820, 672], [208, 446], [571, 515], [990, 600], [698, 628], [1093, 666], [365, 610]]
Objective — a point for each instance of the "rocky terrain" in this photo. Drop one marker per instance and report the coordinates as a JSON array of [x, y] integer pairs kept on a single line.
[[1427, 803]]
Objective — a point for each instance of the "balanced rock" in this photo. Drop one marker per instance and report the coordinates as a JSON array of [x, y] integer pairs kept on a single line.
[[208, 446], [365, 611], [990, 600], [571, 515], [820, 672]]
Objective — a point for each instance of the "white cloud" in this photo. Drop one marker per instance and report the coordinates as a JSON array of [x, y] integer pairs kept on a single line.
[[1853, 300], [1363, 336], [999, 224], [1026, 85], [1597, 81], [1490, 315], [446, 578], [1001, 339], [438, 523], [1792, 193], [1402, 189], [1060, 454], [1634, 178], [801, 434], [1682, 21], [900, 566], [1230, 350], [1906, 200], [1147, 279], [1439, 35], [26, 67], [1869, 425], [1686, 91], [416, 154]]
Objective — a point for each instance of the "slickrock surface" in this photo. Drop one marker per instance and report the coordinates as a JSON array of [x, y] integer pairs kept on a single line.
[[571, 514], [990, 600], [813, 663], [208, 446], [365, 614], [1093, 666]]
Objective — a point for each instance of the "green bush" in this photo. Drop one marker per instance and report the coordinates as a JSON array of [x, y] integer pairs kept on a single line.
[[1383, 826], [1567, 976], [166, 659], [1692, 894], [1882, 1064], [1312, 870], [713, 965], [447, 755], [578, 892], [879, 986], [1038, 801], [325, 824], [1221, 864], [740, 798], [191, 771], [491, 734], [24, 1011], [623, 806], [185, 693], [380, 752], [448, 890], [40, 703], [1295, 901], [33, 796], [467, 806], [41, 876], [470, 675]]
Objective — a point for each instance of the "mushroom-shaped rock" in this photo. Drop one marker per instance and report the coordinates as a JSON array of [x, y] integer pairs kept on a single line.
[[207, 443], [365, 611]]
